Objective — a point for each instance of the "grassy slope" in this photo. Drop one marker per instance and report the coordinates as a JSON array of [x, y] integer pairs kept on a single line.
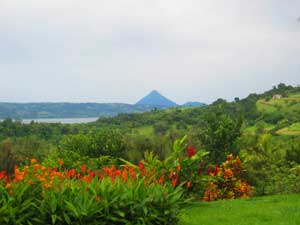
[[271, 210], [294, 129], [283, 105]]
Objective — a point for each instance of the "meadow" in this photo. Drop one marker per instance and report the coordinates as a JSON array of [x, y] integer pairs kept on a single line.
[[268, 210]]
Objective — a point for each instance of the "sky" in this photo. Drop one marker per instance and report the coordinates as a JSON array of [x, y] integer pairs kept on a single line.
[[119, 50]]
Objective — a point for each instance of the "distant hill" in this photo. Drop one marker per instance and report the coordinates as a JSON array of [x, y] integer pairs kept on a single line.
[[193, 104], [84, 110], [66, 110], [155, 99]]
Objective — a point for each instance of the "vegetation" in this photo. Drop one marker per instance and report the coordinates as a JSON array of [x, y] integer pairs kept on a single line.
[[230, 150], [66, 110], [279, 209]]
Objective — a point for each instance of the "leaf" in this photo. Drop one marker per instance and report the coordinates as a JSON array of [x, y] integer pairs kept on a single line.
[[54, 217]]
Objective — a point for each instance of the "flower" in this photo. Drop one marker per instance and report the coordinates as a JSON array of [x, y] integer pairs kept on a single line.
[[178, 168], [2, 175], [8, 186], [33, 161], [174, 182], [161, 180], [191, 151], [209, 170], [83, 168], [188, 184], [141, 166], [216, 170]]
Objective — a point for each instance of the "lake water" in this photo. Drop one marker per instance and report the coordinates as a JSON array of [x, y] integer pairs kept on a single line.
[[61, 120]]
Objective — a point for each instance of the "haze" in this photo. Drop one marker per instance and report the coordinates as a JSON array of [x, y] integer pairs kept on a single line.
[[117, 51]]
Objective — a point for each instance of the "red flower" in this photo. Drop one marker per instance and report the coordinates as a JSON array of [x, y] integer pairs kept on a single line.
[[209, 170], [83, 168], [161, 180], [118, 172], [216, 170], [174, 182], [142, 169], [141, 166], [2, 175], [191, 151]]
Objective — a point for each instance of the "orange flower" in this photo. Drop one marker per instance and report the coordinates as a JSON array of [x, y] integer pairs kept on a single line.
[[228, 173], [33, 161], [30, 182], [8, 186], [61, 162], [125, 176], [36, 166], [188, 184], [178, 168]]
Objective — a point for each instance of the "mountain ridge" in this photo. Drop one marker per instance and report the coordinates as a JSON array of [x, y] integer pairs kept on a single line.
[[154, 98], [47, 110]]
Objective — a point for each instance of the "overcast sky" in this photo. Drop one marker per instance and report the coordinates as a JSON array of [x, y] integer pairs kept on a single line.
[[118, 50]]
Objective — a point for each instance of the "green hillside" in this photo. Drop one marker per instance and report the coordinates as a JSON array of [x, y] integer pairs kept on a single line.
[[283, 113]]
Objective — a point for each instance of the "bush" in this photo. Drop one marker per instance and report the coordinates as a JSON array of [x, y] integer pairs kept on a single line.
[[227, 182], [40, 195], [95, 144]]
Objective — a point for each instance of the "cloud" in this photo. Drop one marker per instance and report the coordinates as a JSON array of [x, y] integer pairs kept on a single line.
[[115, 51]]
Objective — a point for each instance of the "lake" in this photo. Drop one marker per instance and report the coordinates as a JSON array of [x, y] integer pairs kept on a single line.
[[61, 120]]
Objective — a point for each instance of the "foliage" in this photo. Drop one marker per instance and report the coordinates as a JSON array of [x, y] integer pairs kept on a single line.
[[182, 167], [227, 182], [95, 143], [40, 195], [269, 162], [220, 135], [7, 158]]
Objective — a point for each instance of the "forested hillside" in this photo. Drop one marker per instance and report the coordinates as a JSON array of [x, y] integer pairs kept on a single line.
[[66, 110]]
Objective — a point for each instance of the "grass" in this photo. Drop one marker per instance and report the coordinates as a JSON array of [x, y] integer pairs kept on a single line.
[[145, 130], [252, 129], [287, 104], [270, 210], [264, 106], [292, 130]]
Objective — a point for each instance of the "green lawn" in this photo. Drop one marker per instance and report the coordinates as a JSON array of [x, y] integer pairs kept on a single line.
[[271, 210]]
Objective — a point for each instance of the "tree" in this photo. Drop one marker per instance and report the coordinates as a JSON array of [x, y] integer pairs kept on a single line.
[[96, 143], [220, 135]]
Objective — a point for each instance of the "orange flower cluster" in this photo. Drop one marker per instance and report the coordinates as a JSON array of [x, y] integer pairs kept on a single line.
[[36, 174], [227, 182]]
